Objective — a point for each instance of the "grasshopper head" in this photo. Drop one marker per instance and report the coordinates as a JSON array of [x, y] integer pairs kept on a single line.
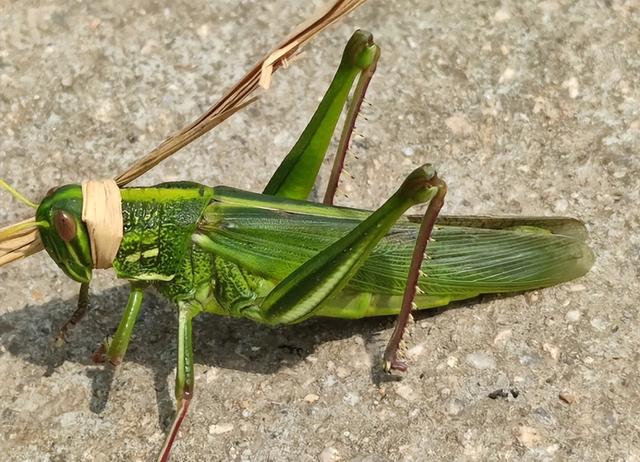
[[63, 233]]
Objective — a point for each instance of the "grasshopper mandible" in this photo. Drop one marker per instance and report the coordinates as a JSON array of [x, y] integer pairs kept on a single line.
[[277, 259]]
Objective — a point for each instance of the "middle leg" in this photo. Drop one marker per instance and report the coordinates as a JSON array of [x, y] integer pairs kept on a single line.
[[184, 374]]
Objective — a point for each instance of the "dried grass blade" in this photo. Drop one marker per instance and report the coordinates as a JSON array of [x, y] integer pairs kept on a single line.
[[19, 241]]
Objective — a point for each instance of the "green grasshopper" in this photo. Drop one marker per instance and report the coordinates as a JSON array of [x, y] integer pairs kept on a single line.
[[277, 258]]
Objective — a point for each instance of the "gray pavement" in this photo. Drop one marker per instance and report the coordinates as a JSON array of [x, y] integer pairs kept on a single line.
[[526, 108]]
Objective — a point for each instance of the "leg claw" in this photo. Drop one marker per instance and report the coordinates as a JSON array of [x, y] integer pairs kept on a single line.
[[393, 364], [100, 355]]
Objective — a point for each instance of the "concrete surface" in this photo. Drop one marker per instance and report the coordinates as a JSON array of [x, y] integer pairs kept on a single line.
[[526, 107]]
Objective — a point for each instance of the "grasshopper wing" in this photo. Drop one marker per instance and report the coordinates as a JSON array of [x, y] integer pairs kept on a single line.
[[271, 239]]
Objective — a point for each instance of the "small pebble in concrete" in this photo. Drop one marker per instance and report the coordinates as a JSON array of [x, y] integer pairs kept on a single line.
[[481, 360], [599, 324], [454, 406], [504, 393], [553, 350], [572, 316], [572, 86], [408, 151], [329, 454], [560, 206], [342, 372], [459, 125], [416, 351], [311, 398], [530, 359], [351, 398], [567, 397], [529, 436], [218, 429], [501, 339], [501, 15], [406, 392]]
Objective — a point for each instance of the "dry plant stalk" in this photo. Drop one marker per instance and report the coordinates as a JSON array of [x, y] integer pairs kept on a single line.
[[19, 241]]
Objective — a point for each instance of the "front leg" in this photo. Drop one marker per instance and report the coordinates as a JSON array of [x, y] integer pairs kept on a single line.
[[78, 314]]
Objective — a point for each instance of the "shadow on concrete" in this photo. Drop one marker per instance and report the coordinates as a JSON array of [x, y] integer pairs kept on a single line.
[[225, 343]]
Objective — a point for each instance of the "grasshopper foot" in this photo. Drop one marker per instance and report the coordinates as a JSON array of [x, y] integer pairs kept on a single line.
[[101, 355], [393, 364]]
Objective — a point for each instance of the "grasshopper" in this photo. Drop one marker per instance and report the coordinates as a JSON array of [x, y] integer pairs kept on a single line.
[[276, 258]]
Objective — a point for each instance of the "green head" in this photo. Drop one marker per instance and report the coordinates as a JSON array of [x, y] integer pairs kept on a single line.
[[64, 235]]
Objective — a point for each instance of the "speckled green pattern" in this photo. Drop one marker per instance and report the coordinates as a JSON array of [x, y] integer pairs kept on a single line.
[[232, 289], [158, 223], [194, 275], [238, 289]]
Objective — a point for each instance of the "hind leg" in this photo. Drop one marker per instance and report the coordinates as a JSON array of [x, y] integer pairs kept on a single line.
[[297, 173]]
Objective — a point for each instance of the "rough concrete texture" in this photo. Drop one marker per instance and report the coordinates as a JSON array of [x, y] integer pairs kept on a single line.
[[525, 107]]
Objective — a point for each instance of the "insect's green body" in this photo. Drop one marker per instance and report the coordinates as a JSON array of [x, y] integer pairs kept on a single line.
[[247, 243]]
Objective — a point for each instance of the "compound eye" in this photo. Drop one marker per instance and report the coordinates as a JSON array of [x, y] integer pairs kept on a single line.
[[65, 226]]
